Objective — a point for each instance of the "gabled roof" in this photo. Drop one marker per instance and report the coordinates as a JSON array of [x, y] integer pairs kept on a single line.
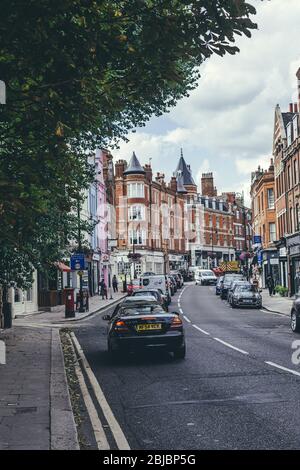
[[185, 172], [287, 117], [134, 166]]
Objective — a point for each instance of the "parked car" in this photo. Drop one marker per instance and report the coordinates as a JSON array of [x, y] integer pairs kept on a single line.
[[133, 286], [246, 295], [295, 315], [144, 325], [178, 278], [205, 277], [234, 283], [171, 284], [218, 285], [156, 293], [173, 278], [225, 284]]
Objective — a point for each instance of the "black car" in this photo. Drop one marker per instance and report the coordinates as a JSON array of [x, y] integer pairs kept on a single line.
[[144, 325], [228, 278], [246, 295], [295, 315]]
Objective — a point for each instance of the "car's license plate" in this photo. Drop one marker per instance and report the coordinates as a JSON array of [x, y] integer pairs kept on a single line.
[[149, 326]]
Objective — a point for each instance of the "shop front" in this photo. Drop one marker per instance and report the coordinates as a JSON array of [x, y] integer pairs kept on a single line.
[[270, 265], [293, 247]]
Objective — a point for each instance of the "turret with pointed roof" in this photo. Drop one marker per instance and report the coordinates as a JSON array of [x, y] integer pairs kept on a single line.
[[184, 176], [134, 166]]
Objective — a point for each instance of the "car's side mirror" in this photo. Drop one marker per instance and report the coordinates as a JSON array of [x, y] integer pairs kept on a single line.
[[106, 317]]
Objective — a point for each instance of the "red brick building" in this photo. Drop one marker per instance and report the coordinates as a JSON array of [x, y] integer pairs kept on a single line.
[[149, 220]]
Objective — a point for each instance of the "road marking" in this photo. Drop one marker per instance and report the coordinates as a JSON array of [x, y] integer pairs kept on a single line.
[[181, 311], [115, 428], [202, 331], [187, 319], [98, 430], [291, 371], [231, 346]]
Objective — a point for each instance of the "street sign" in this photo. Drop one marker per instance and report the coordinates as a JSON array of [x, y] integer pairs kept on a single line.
[[257, 240], [78, 262]]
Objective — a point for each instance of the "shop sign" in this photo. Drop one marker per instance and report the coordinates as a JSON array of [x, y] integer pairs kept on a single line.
[[274, 261]]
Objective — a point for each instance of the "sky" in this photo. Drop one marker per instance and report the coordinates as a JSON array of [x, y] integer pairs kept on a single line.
[[226, 124]]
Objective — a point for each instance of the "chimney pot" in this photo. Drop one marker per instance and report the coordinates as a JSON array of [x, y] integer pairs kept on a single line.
[[295, 107], [291, 107]]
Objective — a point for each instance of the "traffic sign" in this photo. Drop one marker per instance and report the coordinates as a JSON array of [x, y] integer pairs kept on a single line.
[[78, 262]]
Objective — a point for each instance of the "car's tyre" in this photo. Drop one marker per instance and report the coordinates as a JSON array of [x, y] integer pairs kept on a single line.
[[295, 322], [233, 305], [180, 352]]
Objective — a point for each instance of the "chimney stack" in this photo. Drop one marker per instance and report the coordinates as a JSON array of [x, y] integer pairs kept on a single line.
[[173, 184], [120, 166], [295, 107], [291, 108], [148, 172], [207, 185]]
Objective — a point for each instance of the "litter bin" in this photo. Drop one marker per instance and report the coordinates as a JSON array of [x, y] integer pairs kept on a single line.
[[69, 303], [7, 315]]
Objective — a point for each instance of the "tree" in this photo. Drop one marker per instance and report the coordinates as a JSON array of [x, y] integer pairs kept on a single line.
[[81, 74]]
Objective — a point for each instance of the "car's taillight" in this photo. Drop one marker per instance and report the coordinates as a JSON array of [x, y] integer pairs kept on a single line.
[[176, 322], [120, 325]]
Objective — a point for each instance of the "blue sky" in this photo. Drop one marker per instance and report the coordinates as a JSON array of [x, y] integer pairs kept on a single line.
[[226, 125]]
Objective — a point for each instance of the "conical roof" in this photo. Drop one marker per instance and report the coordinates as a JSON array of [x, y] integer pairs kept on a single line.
[[185, 172], [180, 186], [134, 166]]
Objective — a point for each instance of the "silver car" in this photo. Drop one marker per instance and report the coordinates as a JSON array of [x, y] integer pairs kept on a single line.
[[246, 296]]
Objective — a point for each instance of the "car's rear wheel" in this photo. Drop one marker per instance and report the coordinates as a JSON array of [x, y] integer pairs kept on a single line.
[[180, 352], [295, 322]]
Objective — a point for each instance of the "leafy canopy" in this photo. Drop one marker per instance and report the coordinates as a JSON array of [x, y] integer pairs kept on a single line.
[[81, 74]]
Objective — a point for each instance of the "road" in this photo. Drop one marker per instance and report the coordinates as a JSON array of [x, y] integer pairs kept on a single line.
[[229, 392]]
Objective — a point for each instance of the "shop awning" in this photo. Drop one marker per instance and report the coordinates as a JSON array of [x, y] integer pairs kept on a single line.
[[62, 266]]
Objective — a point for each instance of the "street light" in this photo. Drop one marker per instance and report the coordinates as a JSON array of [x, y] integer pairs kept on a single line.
[[212, 244]]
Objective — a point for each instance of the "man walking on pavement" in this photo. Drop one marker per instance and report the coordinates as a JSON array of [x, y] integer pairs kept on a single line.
[[115, 283], [270, 284]]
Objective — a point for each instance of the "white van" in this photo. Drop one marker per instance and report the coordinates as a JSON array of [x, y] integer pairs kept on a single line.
[[157, 281], [205, 277]]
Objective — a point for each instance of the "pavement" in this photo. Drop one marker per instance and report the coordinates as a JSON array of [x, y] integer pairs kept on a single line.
[[238, 387], [276, 303], [35, 408], [96, 304]]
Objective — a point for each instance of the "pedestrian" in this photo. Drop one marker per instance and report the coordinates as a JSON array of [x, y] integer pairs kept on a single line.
[[115, 283], [103, 289], [271, 285]]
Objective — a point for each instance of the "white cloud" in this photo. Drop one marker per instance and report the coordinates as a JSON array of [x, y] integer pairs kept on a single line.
[[226, 125]]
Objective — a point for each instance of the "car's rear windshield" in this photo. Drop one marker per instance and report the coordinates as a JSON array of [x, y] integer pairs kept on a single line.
[[141, 310], [135, 282], [246, 288], [143, 292], [207, 273]]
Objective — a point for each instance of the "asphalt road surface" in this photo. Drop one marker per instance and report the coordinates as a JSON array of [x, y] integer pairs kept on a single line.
[[231, 391]]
